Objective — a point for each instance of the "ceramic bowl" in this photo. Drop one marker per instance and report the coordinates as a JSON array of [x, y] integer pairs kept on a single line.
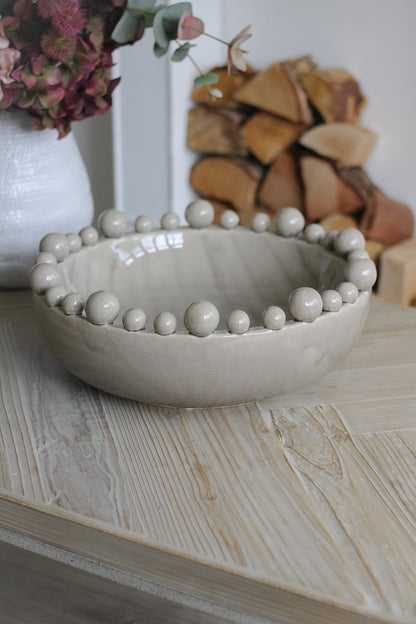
[[202, 315]]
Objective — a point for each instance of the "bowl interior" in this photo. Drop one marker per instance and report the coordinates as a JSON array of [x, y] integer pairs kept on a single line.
[[167, 271]]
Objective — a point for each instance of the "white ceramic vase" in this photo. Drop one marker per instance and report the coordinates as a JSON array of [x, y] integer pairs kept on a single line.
[[44, 187]]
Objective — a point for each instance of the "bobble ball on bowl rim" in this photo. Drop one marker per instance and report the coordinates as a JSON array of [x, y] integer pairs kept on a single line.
[[102, 307], [56, 244], [74, 241], [113, 223], [305, 304], [314, 233], [44, 276], [201, 318], [54, 296], [165, 323], [229, 219], [199, 214], [134, 319], [170, 221], [274, 317], [348, 240], [45, 257], [143, 225], [238, 322], [89, 236], [289, 222], [331, 300], [260, 222], [362, 273], [348, 292], [72, 303]]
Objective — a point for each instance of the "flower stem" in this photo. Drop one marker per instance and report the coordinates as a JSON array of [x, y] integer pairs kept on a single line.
[[193, 61]]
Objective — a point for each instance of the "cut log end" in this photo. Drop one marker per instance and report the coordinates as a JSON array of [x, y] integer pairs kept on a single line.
[[230, 180]]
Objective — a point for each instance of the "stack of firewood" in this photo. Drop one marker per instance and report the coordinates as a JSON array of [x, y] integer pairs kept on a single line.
[[289, 136]]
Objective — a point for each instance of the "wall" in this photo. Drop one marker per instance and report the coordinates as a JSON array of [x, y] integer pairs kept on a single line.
[[95, 141]]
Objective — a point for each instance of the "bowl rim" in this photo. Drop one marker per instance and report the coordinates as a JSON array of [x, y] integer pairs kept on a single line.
[[47, 266]]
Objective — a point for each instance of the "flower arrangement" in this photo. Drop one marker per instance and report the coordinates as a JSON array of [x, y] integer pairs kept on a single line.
[[56, 55]]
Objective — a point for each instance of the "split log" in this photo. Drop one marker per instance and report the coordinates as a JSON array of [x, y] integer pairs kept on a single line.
[[227, 84], [267, 135], [277, 90], [397, 281], [347, 144], [282, 185], [358, 179], [231, 180], [387, 220], [325, 192], [214, 131], [335, 94], [338, 221]]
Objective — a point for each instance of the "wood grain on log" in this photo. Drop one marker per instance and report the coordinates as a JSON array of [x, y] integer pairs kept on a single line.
[[325, 192], [215, 131], [359, 181], [335, 94], [346, 144], [267, 135], [282, 185]]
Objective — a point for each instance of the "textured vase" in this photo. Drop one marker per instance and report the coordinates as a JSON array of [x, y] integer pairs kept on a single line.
[[44, 187]]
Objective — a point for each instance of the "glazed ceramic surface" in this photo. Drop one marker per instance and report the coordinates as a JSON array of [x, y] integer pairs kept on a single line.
[[44, 187], [197, 316]]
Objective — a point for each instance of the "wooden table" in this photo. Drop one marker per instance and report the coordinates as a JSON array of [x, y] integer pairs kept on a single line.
[[301, 509]]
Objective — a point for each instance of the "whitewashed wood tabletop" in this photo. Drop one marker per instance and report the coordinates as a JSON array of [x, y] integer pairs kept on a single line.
[[299, 509]]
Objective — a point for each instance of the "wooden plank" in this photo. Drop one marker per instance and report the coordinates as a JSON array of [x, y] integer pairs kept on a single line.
[[182, 579], [395, 453], [57, 445], [353, 500]]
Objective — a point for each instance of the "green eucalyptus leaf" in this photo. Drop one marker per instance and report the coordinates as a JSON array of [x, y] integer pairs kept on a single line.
[[180, 53], [144, 5], [205, 79], [159, 30], [175, 11], [150, 17], [160, 50], [172, 17], [126, 28]]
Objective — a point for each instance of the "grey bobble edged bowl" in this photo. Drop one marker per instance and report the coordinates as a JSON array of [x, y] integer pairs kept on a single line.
[[200, 316]]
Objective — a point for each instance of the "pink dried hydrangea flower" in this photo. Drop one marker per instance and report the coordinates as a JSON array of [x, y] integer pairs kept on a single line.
[[8, 59], [56, 55]]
